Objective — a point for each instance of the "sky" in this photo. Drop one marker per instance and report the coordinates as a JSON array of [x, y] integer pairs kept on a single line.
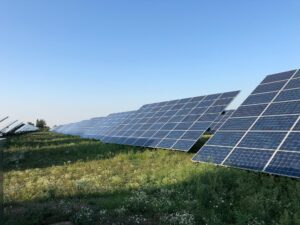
[[65, 61]]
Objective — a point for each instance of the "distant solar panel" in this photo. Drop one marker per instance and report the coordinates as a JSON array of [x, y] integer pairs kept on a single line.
[[263, 134], [11, 129], [111, 122], [5, 118], [7, 126], [220, 120], [175, 125], [26, 128], [93, 128]]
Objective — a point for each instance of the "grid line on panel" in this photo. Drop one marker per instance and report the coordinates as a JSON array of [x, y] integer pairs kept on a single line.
[[154, 124], [282, 142], [189, 111], [169, 131], [222, 119], [269, 104]]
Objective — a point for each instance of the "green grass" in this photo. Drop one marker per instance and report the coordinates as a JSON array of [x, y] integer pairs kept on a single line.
[[51, 178]]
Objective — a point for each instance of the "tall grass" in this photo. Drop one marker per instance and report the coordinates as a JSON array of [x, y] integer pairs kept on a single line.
[[50, 178]]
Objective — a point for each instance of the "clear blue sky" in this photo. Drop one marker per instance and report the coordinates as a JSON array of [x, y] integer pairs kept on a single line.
[[69, 60]]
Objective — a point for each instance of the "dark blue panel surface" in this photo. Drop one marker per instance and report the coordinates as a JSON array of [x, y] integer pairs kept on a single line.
[[238, 123], [184, 145], [269, 87], [205, 103], [183, 112], [294, 83], [297, 74], [166, 143], [260, 98], [297, 127], [212, 154], [212, 97], [183, 126], [176, 119], [253, 110], [283, 108], [200, 126], [285, 163], [169, 126], [152, 143], [288, 95], [140, 141], [208, 117], [292, 143], [161, 134], [215, 109], [190, 118], [192, 135], [224, 101], [264, 140], [275, 123], [226, 138], [279, 76], [198, 110], [149, 133], [249, 158], [175, 134]]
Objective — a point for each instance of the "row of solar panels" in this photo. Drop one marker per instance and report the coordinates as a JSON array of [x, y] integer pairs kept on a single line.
[[9, 126], [263, 134], [176, 125]]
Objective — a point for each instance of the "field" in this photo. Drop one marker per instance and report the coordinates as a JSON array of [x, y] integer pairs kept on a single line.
[[50, 178]]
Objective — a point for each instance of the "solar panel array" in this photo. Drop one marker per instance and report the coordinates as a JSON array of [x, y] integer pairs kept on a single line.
[[93, 128], [175, 125], [220, 120], [263, 134]]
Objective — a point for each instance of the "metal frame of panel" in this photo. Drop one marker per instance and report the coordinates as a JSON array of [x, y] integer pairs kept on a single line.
[[174, 125], [263, 134]]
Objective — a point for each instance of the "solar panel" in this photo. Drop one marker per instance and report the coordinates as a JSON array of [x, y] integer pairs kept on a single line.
[[110, 123], [7, 126], [5, 118], [263, 134], [175, 125], [26, 128], [220, 120], [13, 128], [93, 128]]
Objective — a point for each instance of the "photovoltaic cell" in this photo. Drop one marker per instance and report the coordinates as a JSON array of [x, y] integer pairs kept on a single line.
[[175, 125], [295, 83], [249, 158], [212, 154], [263, 134], [221, 120], [285, 163]]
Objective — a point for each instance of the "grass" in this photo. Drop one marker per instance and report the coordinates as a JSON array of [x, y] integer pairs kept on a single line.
[[50, 178]]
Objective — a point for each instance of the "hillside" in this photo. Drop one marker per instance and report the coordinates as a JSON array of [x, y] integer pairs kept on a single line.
[[51, 178]]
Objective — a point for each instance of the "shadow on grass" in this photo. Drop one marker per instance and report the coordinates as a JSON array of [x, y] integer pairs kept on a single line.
[[55, 155], [209, 196], [42, 150]]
